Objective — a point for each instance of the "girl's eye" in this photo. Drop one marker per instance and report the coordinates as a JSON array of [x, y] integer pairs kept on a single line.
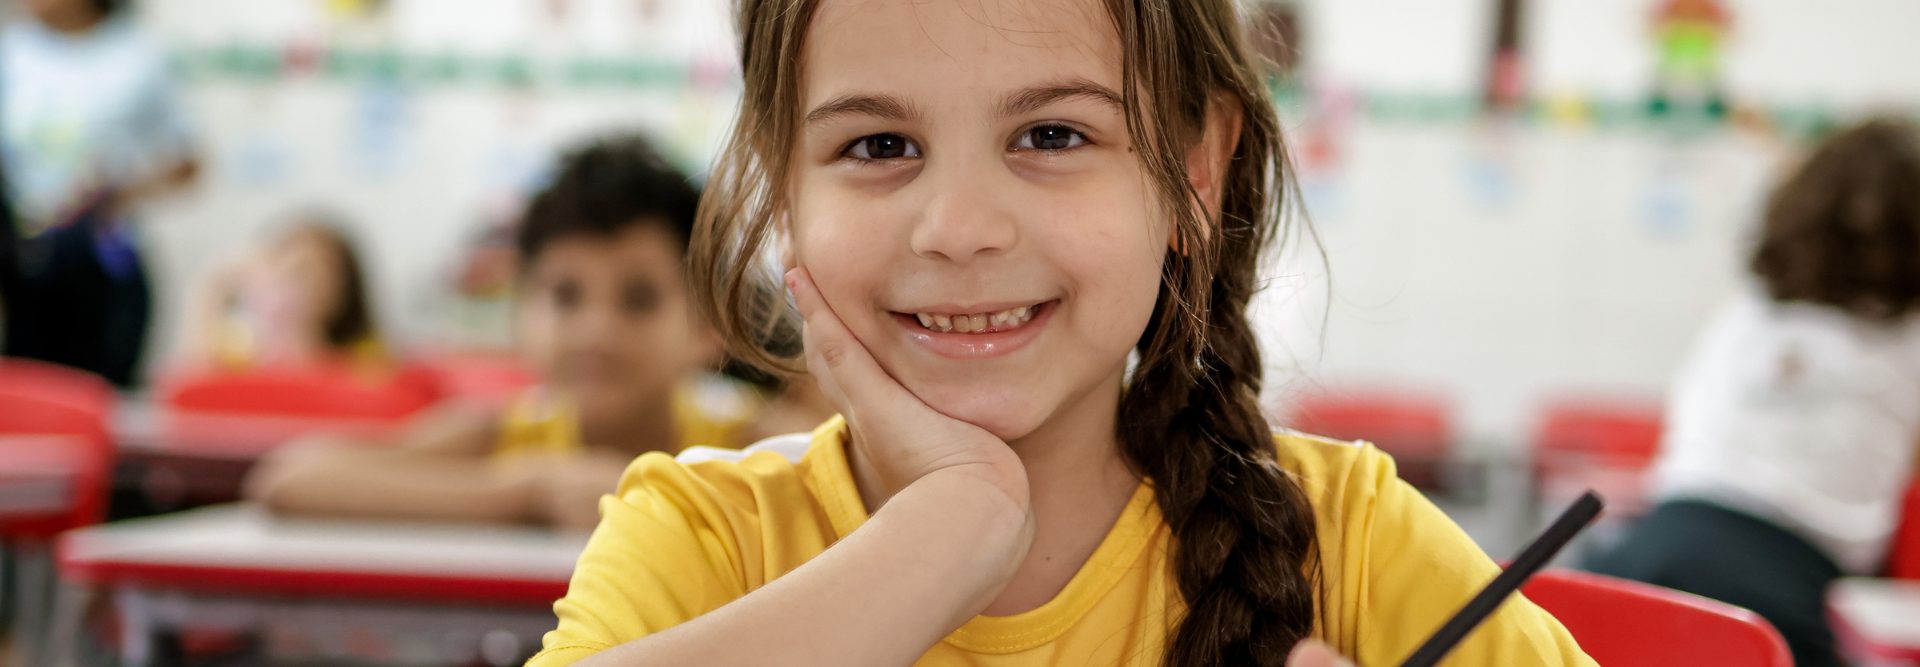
[[1051, 138], [882, 147]]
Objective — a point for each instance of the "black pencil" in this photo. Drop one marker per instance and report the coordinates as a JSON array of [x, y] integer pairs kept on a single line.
[[1531, 559]]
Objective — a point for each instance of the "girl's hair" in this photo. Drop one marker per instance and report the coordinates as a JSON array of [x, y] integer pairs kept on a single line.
[[1844, 230], [1246, 560], [351, 321]]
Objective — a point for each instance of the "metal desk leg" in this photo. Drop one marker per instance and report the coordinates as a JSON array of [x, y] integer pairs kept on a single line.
[[70, 605]]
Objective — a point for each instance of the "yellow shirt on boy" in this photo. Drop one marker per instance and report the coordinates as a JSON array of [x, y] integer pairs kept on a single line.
[[706, 411], [679, 540]]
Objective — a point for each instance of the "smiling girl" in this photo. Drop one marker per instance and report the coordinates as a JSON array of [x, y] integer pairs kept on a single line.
[[988, 209]]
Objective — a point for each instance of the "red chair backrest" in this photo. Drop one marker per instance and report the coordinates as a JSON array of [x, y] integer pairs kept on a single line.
[[1627, 623], [1904, 560], [324, 392], [57, 382], [1615, 432], [484, 377], [1403, 423], [41, 399]]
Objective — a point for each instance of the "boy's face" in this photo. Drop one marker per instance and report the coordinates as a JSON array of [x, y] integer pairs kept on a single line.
[[608, 320]]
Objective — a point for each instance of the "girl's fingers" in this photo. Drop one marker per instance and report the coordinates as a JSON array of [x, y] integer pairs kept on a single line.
[[841, 363], [1314, 653]]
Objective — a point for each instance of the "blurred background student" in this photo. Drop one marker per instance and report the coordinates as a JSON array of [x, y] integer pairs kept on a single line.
[[605, 320], [300, 299], [90, 130], [1792, 429]]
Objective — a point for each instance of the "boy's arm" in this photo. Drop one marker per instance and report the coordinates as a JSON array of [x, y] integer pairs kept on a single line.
[[435, 469]]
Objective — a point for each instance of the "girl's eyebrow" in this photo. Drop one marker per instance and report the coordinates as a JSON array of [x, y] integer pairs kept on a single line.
[[1037, 97], [882, 106], [1023, 101]]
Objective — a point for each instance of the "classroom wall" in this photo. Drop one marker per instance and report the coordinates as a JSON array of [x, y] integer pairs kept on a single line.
[[1495, 261], [1501, 266]]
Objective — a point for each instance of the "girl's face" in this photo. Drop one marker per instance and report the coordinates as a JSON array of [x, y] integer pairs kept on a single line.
[[965, 196], [299, 281]]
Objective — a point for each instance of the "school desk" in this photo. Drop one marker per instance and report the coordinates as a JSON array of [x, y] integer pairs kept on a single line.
[[303, 588], [1876, 620], [171, 459]]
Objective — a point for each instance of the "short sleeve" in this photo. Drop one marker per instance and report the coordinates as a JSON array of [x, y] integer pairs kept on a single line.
[[1411, 568], [162, 117], [664, 553]]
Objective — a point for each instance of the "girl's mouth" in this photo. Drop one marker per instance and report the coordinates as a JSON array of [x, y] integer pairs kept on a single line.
[[976, 335]]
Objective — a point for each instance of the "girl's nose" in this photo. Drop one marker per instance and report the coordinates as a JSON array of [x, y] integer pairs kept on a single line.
[[963, 220]]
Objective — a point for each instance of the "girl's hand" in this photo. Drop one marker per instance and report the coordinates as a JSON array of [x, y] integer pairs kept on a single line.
[[1314, 653], [897, 436]]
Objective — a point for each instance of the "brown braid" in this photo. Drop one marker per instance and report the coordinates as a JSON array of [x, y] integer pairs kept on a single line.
[[1245, 559]]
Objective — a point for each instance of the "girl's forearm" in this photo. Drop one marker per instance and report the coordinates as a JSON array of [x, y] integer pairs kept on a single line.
[[935, 555]]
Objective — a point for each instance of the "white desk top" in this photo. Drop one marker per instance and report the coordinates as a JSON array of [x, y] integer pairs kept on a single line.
[[247, 537], [1883, 612]]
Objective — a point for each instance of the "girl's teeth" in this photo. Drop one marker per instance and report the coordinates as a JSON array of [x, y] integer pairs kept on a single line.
[[1011, 317]]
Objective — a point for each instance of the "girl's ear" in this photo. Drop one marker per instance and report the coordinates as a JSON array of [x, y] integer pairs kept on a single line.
[[1209, 157]]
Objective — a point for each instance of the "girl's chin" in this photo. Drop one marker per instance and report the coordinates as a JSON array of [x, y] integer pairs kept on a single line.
[[1006, 417]]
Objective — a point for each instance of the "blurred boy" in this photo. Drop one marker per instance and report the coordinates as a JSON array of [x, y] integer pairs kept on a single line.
[[605, 319]]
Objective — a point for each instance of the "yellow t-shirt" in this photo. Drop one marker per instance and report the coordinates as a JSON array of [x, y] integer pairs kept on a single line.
[[680, 540], [706, 411], [236, 346]]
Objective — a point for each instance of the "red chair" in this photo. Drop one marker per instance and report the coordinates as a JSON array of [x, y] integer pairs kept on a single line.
[[57, 381], [44, 400], [247, 412], [1605, 444], [1627, 623], [1622, 432], [56, 462], [325, 392], [1904, 560], [1414, 427]]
